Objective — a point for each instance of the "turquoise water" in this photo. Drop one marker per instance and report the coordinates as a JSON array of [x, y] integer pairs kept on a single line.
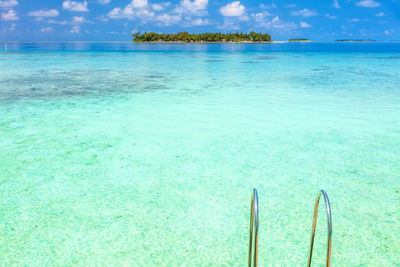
[[144, 155]]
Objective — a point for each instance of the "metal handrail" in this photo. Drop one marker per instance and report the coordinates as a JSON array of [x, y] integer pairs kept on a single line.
[[253, 220], [329, 218]]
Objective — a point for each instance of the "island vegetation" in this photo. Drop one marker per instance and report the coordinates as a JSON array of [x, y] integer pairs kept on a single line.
[[185, 37], [300, 40], [354, 40]]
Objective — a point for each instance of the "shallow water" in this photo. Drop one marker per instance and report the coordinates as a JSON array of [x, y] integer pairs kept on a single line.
[[148, 154]]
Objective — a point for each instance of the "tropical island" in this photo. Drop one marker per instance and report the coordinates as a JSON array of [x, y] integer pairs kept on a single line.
[[300, 40], [185, 37], [354, 40]]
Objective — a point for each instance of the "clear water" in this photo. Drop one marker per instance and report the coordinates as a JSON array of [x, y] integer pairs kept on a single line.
[[147, 154]]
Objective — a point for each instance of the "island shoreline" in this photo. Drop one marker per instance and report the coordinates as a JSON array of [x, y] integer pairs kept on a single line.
[[180, 42]]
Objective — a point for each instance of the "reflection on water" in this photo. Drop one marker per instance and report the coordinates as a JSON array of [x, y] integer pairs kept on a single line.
[[121, 47]]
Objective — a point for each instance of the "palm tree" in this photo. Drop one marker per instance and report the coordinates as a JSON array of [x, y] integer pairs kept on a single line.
[[201, 37]]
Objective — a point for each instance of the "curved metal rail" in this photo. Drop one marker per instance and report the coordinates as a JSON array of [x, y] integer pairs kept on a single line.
[[329, 218], [253, 221]]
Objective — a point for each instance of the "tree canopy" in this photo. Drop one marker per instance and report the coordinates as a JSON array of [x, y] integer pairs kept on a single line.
[[201, 37], [298, 40]]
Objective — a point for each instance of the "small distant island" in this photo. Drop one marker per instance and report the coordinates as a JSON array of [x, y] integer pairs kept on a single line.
[[300, 40], [185, 37], [354, 40]]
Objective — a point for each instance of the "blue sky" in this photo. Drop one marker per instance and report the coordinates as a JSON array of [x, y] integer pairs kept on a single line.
[[112, 20]]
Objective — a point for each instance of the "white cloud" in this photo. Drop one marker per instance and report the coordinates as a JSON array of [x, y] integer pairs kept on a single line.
[[8, 3], [46, 29], [104, 2], [9, 15], [145, 14], [78, 19], [129, 13], [336, 4], [59, 22], [234, 9], [141, 9], [387, 32], [354, 20], [160, 6], [167, 19], [196, 7], [75, 29], [261, 16], [136, 9], [305, 13], [380, 14], [304, 24], [44, 13], [329, 16], [157, 7], [200, 22], [75, 6], [368, 3], [263, 21], [74, 21], [118, 13], [139, 3], [271, 6]]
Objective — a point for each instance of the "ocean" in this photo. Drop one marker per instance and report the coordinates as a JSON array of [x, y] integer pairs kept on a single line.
[[147, 154]]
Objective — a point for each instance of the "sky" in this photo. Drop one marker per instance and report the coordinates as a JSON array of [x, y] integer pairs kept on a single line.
[[116, 20]]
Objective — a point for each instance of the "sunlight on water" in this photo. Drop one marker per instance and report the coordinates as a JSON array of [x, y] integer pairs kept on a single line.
[[150, 157]]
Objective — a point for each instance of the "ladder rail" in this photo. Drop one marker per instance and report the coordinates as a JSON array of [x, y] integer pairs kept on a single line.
[[329, 219], [253, 222]]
